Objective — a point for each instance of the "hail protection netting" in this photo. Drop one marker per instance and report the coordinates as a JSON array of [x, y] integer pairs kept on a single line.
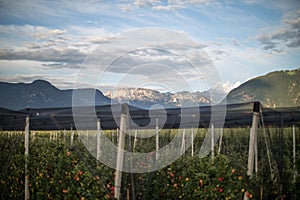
[[59, 164]]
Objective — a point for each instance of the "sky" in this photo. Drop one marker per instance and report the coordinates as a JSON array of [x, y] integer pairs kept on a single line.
[[173, 45]]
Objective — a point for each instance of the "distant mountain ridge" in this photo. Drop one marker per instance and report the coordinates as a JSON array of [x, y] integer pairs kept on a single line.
[[147, 97], [275, 89], [42, 94]]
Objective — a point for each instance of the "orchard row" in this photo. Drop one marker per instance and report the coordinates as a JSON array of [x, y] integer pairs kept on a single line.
[[59, 168]]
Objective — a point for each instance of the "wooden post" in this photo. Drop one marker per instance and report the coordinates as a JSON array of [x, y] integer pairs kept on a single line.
[[120, 155], [87, 134], [26, 158], [33, 136], [64, 135], [98, 139], [157, 140], [253, 133], [183, 142], [79, 133], [135, 139], [255, 154], [72, 137], [294, 153], [220, 140], [212, 141], [128, 195], [117, 138], [192, 142]]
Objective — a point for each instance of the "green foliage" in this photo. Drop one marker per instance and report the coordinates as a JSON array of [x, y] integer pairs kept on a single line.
[[58, 170], [195, 178]]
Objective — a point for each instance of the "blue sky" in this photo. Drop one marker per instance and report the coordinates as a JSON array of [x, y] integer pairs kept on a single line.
[[60, 41]]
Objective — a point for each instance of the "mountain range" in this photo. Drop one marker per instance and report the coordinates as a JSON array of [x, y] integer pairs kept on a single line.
[[273, 90], [276, 89], [42, 94], [147, 97]]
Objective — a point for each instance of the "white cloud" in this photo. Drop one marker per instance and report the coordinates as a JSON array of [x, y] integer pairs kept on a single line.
[[119, 53], [287, 35], [201, 2], [66, 83], [168, 7], [169, 4], [29, 33], [146, 55], [50, 33], [30, 30], [228, 86], [145, 3], [68, 55], [21, 78], [58, 47], [282, 5]]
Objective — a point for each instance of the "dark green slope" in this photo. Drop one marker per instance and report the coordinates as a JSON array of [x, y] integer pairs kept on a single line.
[[42, 94], [276, 89]]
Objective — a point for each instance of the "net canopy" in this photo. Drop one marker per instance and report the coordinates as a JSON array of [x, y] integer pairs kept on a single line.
[[236, 115]]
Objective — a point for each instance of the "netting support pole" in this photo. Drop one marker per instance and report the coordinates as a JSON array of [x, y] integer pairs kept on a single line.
[[212, 141], [183, 142], [120, 155], [72, 137], [117, 139], [26, 158], [255, 153], [192, 142], [294, 153], [33, 135], [220, 140], [135, 139], [98, 139], [87, 134], [157, 139], [253, 135]]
